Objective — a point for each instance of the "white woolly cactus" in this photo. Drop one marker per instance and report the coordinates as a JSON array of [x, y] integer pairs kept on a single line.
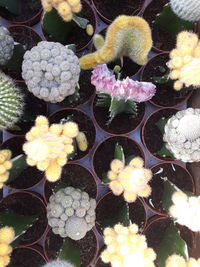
[[51, 71], [58, 263], [6, 45], [182, 135], [71, 213], [188, 10]]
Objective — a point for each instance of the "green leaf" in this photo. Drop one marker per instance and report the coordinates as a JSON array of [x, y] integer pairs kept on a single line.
[[105, 180], [70, 252], [119, 153], [128, 159], [19, 164], [161, 124], [103, 100], [170, 23], [162, 79], [13, 6], [59, 186], [171, 244], [81, 22], [164, 152], [15, 62]]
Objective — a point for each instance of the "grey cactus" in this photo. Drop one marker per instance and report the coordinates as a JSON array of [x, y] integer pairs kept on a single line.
[[6, 45], [58, 263], [11, 102], [51, 71], [71, 213]]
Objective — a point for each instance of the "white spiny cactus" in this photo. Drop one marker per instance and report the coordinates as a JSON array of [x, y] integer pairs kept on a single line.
[[58, 263], [6, 45]]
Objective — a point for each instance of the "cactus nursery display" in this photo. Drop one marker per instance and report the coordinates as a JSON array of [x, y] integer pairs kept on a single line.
[[99, 133]]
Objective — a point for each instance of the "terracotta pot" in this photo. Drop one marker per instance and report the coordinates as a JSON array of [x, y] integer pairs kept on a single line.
[[154, 133], [166, 95]]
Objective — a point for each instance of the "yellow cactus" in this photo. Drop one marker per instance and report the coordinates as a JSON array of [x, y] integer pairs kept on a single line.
[[179, 261], [7, 236], [184, 61], [82, 142], [125, 247], [5, 165], [131, 180], [127, 36], [89, 29], [47, 147], [98, 41]]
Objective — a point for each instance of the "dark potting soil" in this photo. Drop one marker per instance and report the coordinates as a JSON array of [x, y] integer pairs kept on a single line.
[[165, 95], [26, 37], [130, 121], [152, 135], [76, 176], [27, 204], [105, 153], [29, 9], [15, 145], [176, 174], [25, 257], [110, 9], [100, 263], [111, 204], [87, 245], [85, 125]]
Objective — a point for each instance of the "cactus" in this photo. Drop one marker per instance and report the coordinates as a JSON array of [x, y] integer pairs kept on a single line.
[[125, 247], [178, 261], [58, 263], [5, 165], [127, 36], [6, 45], [11, 102], [7, 236]]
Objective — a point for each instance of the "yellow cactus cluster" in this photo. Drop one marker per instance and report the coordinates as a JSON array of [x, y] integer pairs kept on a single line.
[[47, 147], [125, 247], [65, 8], [131, 180], [5, 165], [7, 235], [178, 261], [184, 61], [127, 36]]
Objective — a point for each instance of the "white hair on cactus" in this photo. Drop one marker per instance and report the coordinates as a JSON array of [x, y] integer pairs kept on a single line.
[[189, 127], [58, 263]]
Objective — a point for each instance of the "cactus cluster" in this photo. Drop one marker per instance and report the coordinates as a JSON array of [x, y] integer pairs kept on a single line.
[[131, 180], [126, 247], [48, 146], [58, 263], [7, 236], [184, 61], [178, 261], [51, 71], [182, 135], [127, 36], [6, 45], [188, 10], [11, 102], [71, 213], [5, 165]]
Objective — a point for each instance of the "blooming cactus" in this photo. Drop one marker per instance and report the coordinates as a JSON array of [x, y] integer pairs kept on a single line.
[[178, 261], [7, 236]]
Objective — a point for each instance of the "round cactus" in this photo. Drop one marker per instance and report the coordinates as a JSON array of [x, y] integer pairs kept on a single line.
[[51, 71], [58, 263], [6, 45], [71, 213], [11, 102]]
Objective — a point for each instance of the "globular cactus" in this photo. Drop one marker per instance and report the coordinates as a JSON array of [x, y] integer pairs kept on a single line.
[[188, 10], [58, 263], [128, 36], [5, 165], [178, 261], [126, 247], [6, 45], [51, 71], [11, 102], [182, 135], [7, 236], [71, 213]]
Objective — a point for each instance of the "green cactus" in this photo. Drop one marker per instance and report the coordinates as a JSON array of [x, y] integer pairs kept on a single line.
[[11, 102]]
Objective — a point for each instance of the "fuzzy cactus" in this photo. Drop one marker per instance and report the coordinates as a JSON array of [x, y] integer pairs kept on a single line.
[[47, 147], [126, 247], [58, 263], [11, 102], [178, 261], [7, 236], [182, 135], [127, 36], [71, 213], [131, 180], [188, 10], [65, 8], [5, 165], [6, 45], [51, 71]]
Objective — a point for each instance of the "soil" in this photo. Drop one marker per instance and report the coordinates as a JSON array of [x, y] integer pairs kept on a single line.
[[88, 247], [85, 125], [130, 121], [100, 263], [29, 10], [27, 204], [165, 95], [78, 36], [26, 37], [110, 9], [15, 145], [111, 204], [76, 176], [105, 153], [153, 137], [23, 257], [176, 174]]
